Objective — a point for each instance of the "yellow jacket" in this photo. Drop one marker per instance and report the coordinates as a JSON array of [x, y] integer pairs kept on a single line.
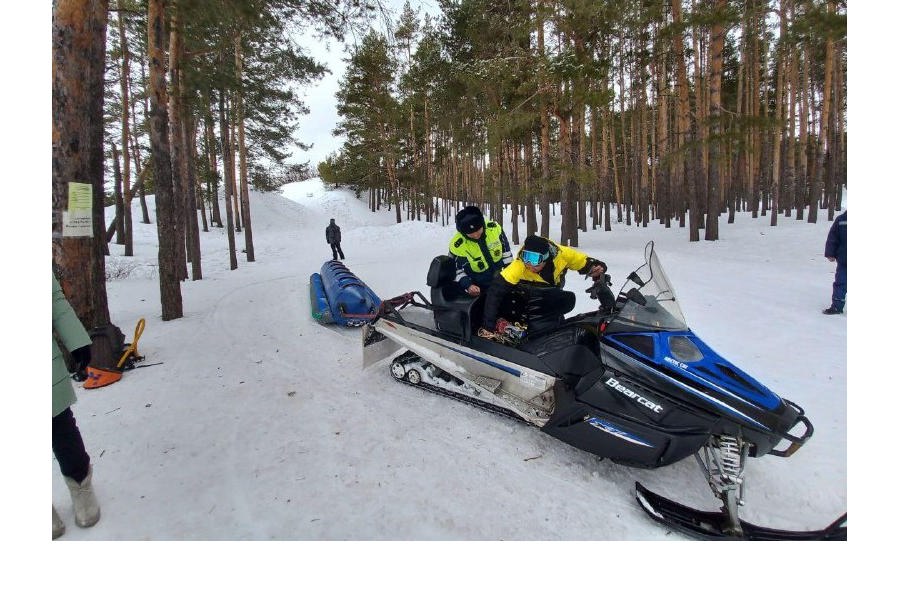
[[564, 258]]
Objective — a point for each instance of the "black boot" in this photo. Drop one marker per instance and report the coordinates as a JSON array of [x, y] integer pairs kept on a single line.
[[832, 311]]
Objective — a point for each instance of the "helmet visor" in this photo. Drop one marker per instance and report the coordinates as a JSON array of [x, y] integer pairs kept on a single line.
[[530, 257]]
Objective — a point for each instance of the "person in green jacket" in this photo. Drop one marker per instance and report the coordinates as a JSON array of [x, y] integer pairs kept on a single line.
[[68, 446]]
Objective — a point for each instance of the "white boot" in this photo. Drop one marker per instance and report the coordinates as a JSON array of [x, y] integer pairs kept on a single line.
[[59, 527], [87, 510]]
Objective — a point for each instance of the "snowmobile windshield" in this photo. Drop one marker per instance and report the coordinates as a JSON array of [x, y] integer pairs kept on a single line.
[[650, 300]]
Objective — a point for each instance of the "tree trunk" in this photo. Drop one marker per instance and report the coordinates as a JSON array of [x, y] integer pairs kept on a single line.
[[545, 135], [804, 117], [685, 131], [237, 221], [780, 64], [242, 150], [166, 225], [190, 201], [119, 219], [824, 119], [210, 136], [78, 51], [530, 213], [716, 46], [176, 140], [227, 156], [125, 91]]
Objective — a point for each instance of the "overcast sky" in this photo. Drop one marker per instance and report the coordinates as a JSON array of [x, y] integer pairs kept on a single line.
[[315, 128]]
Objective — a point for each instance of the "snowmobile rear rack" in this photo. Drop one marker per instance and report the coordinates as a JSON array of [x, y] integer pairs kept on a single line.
[[393, 306], [708, 525]]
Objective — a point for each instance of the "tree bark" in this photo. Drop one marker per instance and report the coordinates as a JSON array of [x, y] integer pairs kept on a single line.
[[824, 119], [119, 219], [242, 150], [176, 140], [716, 46], [227, 157], [78, 60], [158, 117], [125, 92]]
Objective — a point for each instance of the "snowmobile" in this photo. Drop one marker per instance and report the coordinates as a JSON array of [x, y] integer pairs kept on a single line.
[[630, 383]]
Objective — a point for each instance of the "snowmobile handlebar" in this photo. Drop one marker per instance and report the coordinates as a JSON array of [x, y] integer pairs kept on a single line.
[[599, 283]]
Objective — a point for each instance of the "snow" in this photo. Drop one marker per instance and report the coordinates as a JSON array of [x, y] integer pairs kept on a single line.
[[261, 424]]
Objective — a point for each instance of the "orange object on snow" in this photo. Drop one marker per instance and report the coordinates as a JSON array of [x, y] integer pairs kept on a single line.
[[97, 377]]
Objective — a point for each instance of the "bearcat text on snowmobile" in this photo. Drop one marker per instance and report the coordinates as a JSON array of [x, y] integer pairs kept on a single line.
[[634, 385]]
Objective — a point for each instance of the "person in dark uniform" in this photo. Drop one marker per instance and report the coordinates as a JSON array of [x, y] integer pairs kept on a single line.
[[333, 237], [836, 252], [480, 249]]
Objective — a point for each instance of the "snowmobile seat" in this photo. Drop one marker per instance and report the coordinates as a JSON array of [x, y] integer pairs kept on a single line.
[[454, 311]]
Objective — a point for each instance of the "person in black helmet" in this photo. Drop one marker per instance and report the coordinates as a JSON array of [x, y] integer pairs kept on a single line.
[[480, 249]]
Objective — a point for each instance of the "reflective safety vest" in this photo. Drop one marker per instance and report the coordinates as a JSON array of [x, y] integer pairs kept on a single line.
[[463, 246]]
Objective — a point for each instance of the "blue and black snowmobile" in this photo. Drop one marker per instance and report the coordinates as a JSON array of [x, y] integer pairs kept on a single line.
[[633, 384]]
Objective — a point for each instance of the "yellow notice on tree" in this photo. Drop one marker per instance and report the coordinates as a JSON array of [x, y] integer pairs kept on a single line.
[[77, 221]]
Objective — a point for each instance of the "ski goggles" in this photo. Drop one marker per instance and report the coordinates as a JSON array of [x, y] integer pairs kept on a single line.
[[530, 257]]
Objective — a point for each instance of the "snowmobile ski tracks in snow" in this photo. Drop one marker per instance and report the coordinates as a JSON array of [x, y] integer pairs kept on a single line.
[[634, 385], [338, 296]]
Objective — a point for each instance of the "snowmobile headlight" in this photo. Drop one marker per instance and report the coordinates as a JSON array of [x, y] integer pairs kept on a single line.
[[530, 257]]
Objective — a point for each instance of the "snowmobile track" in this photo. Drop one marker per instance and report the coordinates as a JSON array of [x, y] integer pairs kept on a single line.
[[486, 406]]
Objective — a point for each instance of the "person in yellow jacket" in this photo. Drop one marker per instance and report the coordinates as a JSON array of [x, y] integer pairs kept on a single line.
[[479, 249], [542, 263], [68, 446]]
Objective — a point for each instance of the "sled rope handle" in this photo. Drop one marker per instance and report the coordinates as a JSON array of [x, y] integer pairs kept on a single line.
[[132, 347]]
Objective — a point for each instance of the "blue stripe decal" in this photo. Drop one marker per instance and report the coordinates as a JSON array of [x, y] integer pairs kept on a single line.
[[509, 370], [615, 431]]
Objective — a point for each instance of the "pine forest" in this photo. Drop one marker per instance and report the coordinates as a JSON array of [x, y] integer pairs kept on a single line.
[[613, 113]]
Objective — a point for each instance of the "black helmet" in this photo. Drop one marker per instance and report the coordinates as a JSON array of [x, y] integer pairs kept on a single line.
[[469, 220]]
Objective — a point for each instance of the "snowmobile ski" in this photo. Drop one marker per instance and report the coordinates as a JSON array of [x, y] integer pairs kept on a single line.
[[709, 525]]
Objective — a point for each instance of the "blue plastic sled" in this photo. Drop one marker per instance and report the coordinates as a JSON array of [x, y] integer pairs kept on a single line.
[[338, 296]]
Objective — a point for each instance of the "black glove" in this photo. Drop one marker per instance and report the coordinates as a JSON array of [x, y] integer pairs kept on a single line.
[[589, 265], [82, 358]]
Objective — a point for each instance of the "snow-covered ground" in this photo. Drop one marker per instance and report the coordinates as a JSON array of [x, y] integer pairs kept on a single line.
[[261, 425]]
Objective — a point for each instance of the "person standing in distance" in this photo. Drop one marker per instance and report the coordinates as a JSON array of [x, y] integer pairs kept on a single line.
[[836, 252], [480, 249], [333, 237]]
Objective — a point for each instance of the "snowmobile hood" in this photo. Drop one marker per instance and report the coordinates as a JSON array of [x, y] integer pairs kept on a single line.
[[692, 365], [684, 356]]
